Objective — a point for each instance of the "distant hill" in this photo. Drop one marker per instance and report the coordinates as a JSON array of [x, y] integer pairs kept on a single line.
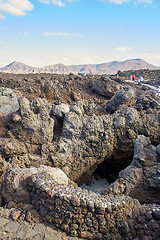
[[104, 68]]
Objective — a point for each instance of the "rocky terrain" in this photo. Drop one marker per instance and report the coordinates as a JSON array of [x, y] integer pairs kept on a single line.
[[103, 68], [58, 132], [150, 77]]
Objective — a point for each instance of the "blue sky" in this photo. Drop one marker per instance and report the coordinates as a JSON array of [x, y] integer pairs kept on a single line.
[[46, 32]]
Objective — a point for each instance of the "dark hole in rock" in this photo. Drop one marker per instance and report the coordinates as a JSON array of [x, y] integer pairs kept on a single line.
[[2, 204], [107, 172], [58, 126], [111, 167]]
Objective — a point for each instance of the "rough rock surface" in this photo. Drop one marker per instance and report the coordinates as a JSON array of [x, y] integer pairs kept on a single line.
[[126, 96], [106, 87], [87, 214], [10, 147], [141, 179], [15, 182], [11, 229], [8, 101], [60, 110], [34, 123], [87, 139]]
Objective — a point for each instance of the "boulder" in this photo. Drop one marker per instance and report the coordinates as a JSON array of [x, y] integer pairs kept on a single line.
[[34, 123], [126, 96], [60, 110], [50, 89], [15, 187], [106, 87], [147, 100], [8, 101]]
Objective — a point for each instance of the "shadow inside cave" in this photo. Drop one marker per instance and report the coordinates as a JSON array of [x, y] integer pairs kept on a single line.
[[106, 173]]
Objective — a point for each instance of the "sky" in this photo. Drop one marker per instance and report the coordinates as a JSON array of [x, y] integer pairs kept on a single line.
[[46, 32]]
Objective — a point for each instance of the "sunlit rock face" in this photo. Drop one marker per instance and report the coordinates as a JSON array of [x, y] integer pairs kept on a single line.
[[8, 101], [62, 122]]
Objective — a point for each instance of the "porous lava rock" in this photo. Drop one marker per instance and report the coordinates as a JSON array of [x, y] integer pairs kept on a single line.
[[10, 147], [87, 140], [49, 89], [106, 87], [141, 179], [8, 101], [34, 123], [60, 110], [126, 96], [78, 141], [16, 182]]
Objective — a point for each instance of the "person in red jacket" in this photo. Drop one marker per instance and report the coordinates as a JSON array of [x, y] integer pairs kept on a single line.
[[133, 77]]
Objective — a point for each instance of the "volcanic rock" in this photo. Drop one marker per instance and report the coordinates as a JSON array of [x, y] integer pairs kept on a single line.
[[8, 101], [60, 110], [16, 182], [34, 123], [106, 87], [126, 96], [10, 147], [141, 179]]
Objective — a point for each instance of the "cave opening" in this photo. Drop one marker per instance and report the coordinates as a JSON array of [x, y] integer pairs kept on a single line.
[[111, 167], [107, 172]]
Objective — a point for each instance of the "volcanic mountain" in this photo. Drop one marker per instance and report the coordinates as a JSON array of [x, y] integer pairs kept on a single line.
[[103, 68]]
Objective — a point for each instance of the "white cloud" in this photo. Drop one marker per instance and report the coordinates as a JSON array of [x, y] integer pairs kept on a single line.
[[123, 49], [117, 1], [63, 34], [125, 1], [58, 3], [15, 7], [72, 1]]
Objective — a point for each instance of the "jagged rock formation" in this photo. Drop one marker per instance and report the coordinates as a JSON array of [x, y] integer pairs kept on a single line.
[[86, 141], [126, 97], [93, 216], [106, 87], [8, 101], [34, 123], [140, 180], [61, 121]]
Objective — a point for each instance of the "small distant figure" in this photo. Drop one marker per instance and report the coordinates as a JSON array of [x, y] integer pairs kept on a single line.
[[133, 77], [117, 75], [158, 92], [141, 79]]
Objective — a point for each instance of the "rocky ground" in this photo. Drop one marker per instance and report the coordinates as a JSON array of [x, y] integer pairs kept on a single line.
[[151, 77], [84, 125], [11, 229]]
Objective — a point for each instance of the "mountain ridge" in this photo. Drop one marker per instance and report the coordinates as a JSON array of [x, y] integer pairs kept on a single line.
[[102, 68]]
